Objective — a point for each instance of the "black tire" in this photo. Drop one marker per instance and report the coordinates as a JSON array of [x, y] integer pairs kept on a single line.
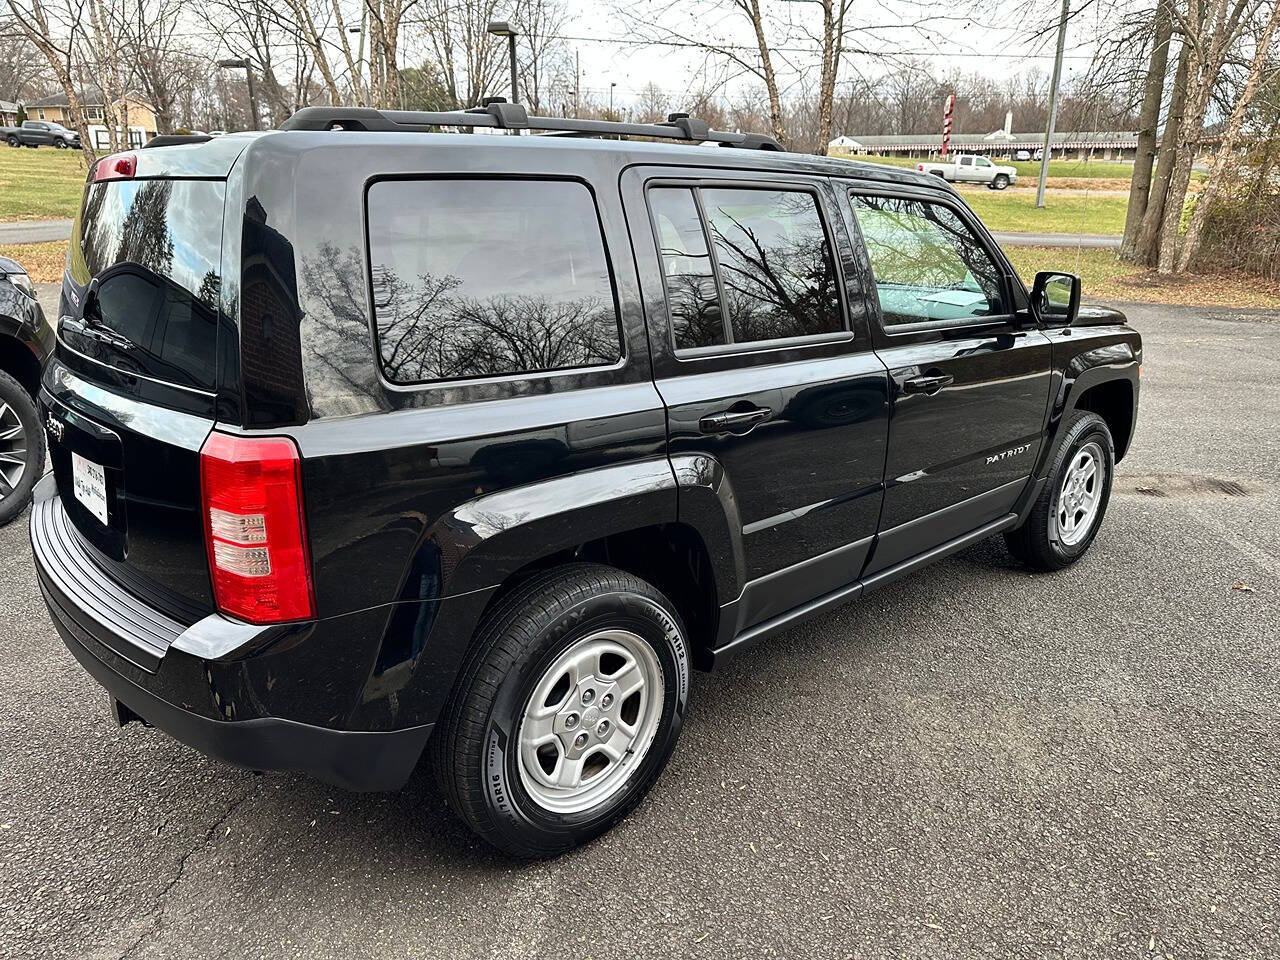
[[14, 500], [1037, 542], [60, 144], [1000, 182], [475, 750], [14, 142]]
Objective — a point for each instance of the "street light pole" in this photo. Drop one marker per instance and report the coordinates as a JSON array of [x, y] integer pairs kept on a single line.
[[242, 63], [501, 28], [1053, 101], [611, 86]]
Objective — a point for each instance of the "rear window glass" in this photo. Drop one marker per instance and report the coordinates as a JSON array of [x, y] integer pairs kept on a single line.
[[154, 247], [477, 278]]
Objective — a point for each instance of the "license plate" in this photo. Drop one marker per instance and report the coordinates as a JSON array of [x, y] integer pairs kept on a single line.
[[89, 481]]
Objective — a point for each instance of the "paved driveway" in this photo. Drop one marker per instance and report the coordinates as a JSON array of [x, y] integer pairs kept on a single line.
[[973, 762]]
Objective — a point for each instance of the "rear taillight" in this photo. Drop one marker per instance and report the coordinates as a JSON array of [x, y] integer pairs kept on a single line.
[[254, 528], [118, 166], [920, 166]]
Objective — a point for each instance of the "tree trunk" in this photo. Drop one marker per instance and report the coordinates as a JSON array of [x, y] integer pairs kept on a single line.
[[752, 9], [833, 12], [1222, 158], [1147, 250], [1148, 121]]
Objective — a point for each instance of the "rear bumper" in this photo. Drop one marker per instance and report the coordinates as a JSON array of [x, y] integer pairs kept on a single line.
[[152, 665]]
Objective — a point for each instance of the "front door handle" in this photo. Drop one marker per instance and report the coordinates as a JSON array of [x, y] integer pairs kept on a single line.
[[733, 421], [928, 385]]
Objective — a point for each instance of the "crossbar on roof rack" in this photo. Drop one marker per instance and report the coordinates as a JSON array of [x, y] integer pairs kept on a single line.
[[512, 116]]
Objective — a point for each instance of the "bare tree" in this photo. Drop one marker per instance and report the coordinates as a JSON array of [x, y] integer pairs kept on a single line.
[[1149, 119], [1230, 137], [1210, 30], [546, 57], [22, 70], [55, 30], [471, 60]]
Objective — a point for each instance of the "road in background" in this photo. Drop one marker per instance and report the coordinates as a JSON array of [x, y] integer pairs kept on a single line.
[[972, 762], [35, 231]]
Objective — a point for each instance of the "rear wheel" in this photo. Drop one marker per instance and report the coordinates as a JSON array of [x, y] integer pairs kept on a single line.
[[566, 712], [21, 447], [1066, 516]]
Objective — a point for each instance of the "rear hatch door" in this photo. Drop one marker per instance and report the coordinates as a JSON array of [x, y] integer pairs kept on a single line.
[[130, 393]]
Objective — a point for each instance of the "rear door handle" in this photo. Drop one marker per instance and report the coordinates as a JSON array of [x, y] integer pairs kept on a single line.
[[732, 421], [928, 385]]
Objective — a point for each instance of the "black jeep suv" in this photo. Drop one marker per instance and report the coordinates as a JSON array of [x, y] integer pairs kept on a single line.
[[369, 440]]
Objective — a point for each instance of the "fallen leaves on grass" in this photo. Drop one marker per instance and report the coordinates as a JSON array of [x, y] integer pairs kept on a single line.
[[1104, 277], [44, 261]]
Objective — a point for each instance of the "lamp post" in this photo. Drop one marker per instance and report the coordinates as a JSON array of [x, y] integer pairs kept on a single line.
[[611, 86], [359, 30], [239, 63], [501, 28]]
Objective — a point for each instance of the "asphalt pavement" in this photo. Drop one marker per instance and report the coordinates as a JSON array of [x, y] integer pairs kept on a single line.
[[34, 231], [973, 762], [1057, 240]]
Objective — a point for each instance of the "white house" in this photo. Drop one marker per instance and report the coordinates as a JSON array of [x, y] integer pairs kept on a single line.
[[844, 144]]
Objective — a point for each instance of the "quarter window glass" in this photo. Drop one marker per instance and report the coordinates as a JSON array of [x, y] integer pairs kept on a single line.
[[927, 264], [475, 278], [692, 301], [775, 263]]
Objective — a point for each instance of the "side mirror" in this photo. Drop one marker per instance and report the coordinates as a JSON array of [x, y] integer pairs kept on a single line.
[[1055, 298]]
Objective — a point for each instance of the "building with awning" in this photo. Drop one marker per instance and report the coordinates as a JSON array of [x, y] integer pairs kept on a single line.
[[1099, 145]]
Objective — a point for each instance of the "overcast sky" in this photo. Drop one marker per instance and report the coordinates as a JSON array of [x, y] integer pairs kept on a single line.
[[608, 51]]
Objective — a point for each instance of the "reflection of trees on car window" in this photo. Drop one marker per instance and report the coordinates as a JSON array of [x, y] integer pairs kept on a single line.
[[427, 331], [142, 236], [776, 267]]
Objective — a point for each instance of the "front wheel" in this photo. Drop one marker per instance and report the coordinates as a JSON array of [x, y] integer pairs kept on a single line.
[[566, 711], [13, 142], [1068, 512], [1000, 182], [60, 144]]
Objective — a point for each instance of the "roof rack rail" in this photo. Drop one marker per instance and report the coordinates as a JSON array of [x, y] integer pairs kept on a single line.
[[499, 114]]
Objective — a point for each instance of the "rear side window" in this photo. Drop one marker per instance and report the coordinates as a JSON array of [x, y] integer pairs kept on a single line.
[[478, 278], [154, 247], [744, 265], [927, 264]]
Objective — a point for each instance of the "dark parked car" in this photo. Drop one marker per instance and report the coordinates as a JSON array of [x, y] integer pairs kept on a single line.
[[25, 340], [368, 444], [40, 133]]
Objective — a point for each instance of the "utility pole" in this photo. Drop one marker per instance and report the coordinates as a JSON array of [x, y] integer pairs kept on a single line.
[[1053, 101], [577, 83]]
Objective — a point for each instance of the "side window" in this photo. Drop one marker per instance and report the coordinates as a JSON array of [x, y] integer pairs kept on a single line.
[[966, 161], [694, 305], [775, 263], [982, 162], [477, 278], [768, 252], [927, 264]]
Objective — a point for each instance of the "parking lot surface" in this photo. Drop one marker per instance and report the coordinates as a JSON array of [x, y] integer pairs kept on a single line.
[[972, 762]]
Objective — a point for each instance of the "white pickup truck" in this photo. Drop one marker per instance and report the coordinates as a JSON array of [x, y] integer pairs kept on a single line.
[[970, 169]]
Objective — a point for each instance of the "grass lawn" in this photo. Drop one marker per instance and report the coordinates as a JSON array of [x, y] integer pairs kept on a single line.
[[40, 184], [1016, 212], [44, 261], [1104, 278]]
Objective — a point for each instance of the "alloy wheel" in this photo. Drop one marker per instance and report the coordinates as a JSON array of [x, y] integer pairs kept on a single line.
[[1081, 494], [590, 720]]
